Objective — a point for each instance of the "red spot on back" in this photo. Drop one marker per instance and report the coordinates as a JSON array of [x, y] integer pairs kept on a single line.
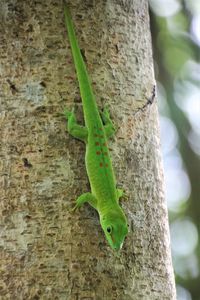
[[106, 165], [104, 144], [100, 128], [97, 143], [98, 153], [101, 164]]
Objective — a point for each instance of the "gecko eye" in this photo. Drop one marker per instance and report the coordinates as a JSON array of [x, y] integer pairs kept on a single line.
[[109, 229]]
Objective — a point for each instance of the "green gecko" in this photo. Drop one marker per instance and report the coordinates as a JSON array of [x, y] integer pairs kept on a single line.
[[104, 196]]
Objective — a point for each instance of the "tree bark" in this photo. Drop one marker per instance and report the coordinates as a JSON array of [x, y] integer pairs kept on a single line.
[[46, 252]]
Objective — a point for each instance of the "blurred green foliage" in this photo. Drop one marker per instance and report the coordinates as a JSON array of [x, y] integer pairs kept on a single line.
[[175, 29]]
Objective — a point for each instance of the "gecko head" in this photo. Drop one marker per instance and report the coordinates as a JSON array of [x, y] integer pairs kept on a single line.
[[115, 227]]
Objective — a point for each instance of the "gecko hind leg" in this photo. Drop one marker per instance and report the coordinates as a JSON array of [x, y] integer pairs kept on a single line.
[[109, 126], [76, 130]]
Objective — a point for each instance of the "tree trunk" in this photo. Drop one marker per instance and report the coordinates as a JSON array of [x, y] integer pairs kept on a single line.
[[46, 251]]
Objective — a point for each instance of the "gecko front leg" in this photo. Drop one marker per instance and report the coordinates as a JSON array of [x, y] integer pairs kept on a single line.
[[86, 197], [121, 194]]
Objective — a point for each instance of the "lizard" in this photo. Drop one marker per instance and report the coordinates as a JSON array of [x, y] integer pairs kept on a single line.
[[104, 195]]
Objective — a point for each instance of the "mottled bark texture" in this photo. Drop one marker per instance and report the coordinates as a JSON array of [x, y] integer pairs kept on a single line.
[[46, 252]]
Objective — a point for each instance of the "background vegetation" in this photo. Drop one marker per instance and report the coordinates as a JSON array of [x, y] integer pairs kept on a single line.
[[176, 39]]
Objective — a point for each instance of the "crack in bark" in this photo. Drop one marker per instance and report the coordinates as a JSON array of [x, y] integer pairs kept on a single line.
[[150, 101]]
